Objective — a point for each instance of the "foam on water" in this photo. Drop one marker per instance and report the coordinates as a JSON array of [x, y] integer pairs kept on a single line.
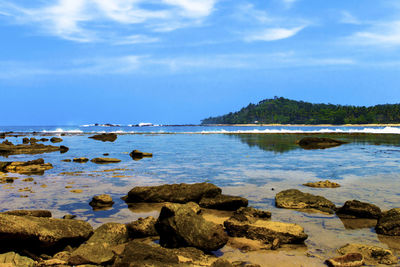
[[60, 130]]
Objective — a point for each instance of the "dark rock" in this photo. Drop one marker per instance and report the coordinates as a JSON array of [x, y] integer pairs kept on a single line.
[[178, 193], [3, 165], [66, 160], [223, 202], [372, 255], [56, 140], [358, 209], [348, 260], [101, 201], [2, 135], [69, 217], [25, 140], [44, 139], [35, 233], [251, 214], [389, 223], [136, 154], [137, 254], [34, 213], [221, 263], [319, 143], [105, 137], [8, 148], [99, 248], [181, 226], [80, 160], [142, 227], [12, 259], [28, 167], [295, 199], [105, 160], [106, 154], [63, 149]]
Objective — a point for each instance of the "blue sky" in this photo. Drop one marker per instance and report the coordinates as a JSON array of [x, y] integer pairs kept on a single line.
[[179, 61]]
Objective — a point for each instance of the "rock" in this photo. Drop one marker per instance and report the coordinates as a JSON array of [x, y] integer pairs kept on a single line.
[[34, 213], [99, 248], [56, 140], [389, 223], [101, 201], [223, 202], [348, 260], [137, 254], [28, 167], [25, 140], [178, 193], [44, 139], [3, 165], [33, 232], [7, 148], [358, 209], [13, 259], [180, 226], [295, 199], [63, 149], [136, 154], [319, 143], [105, 160], [221, 263], [69, 217], [372, 255], [80, 160], [53, 262], [250, 214], [106, 154], [105, 137], [66, 160], [142, 227], [323, 184]]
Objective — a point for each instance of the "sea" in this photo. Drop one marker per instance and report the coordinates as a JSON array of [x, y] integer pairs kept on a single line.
[[255, 162]]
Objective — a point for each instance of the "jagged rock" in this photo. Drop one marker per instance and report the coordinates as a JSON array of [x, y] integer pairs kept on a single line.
[[56, 140], [372, 255], [137, 254], [142, 227], [28, 167], [295, 199], [34, 213], [358, 209], [105, 160], [105, 137], [34, 232], [12, 259], [7, 148], [53, 262], [318, 143], [180, 226], [323, 184], [80, 160], [101, 201], [136, 154], [223, 202], [178, 193], [389, 223], [250, 214], [348, 260], [99, 248]]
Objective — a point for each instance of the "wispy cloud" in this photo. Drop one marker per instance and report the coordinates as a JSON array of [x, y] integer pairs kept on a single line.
[[289, 3], [380, 34], [348, 18], [273, 34], [136, 39]]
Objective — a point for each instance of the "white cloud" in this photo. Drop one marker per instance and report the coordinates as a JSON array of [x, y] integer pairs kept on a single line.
[[381, 34], [136, 39], [348, 18], [273, 34]]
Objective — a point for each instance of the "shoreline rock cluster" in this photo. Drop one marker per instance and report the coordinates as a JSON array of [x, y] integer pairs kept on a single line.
[[37, 166], [7, 148]]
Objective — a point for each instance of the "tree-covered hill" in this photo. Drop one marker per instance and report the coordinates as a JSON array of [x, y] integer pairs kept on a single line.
[[285, 111]]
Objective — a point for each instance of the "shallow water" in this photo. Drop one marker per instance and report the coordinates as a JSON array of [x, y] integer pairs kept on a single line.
[[255, 166]]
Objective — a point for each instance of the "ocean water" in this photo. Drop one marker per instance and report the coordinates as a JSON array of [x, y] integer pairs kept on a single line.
[[253, 162]]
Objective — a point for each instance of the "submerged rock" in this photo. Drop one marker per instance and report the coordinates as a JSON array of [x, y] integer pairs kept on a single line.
[[181, 226], [99, 248], [136, 154], [101, 202], [389, 223], [56, 140], [372, 255], [295, 199], [142, 227], [12, 259], [223, 202], [105, 160], [178, 193], [348, 260], [318, 143], [7, 148], [27, 167], [34, 213], [323, 184], [80, 160], [358, 209], [105, 137]]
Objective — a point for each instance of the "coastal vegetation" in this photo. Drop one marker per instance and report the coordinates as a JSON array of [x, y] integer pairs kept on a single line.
[[281, 110]]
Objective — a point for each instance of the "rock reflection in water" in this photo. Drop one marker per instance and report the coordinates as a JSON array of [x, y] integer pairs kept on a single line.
[[351, 224]]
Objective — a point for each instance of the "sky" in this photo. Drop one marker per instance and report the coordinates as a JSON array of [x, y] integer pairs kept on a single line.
[[73, 62]]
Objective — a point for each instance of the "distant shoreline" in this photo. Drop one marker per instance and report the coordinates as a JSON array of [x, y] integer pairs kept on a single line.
[[310, 125]]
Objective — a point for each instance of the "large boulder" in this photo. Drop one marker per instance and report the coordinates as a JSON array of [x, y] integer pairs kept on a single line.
[[318, 143], [223, 202], [99, 248], [143, 227], [105, 137], [34, 232], [34, 213], [182, 226], [295, 199], [28, 167], [358, 209], [178, 193], [12, 259], [372, 255], [389, 223], [105, 160], [7, 148]]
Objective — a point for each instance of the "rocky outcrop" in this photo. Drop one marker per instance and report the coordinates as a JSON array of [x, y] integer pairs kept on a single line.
[[358, 209], [42, 232], [178, 193], [181, 226], [34, 213], [101, 202], [80, 160], [251, 214], [372, 255], [318, 143], [7, 148], [348, 260], [26, 167], [295, 199], [136, 154], [142, 227], [12, 259], [56, 140], [99, 248], [105, 160], [223, 202], [323, 184], [105, 137], [389, 223]]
